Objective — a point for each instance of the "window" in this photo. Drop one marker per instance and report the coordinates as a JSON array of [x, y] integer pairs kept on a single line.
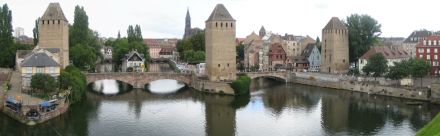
[[221, 24], [424, 42], [428, 57], [232, 25], [421, 50], [435, 57], [429, 42], [435, 42], [218, 65], [53, 21], [420, 56], [435, 50], [29, 70], [228, 64], [43, 22], [226, 24], [428, 50], [362, 61], [51, 69], [40, 70], [216, 25], [58, 21]]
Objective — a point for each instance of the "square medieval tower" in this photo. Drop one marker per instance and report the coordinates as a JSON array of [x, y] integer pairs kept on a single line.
[[334, 52], [53, 30], [220, 45]]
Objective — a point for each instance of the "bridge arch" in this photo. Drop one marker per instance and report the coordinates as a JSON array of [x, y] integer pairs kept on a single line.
[[276, 75], [139, 80]]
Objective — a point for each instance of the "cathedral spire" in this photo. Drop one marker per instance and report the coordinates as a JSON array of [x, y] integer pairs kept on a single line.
[[187, 24]]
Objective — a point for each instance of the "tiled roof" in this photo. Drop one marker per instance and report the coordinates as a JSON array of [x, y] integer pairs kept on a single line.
[[39, 59], [308, 50], [53, 50], [335, 23], [387, 52], [220, 13], [54, 12]]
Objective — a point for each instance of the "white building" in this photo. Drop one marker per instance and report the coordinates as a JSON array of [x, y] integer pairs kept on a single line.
[[18, 31], [133, 61], [391, 54], [201, 69]]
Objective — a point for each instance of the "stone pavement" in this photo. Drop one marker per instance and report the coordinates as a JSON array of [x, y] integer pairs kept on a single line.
[[16, 90]]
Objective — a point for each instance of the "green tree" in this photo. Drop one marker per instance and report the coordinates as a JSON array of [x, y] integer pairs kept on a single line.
[[79, 32], [241, 85], [399, 70], [240, 52], [36, 33], [192, 48], [83, 57], [7, 50], [364, 32], [419, 68], [376, 65], [71, 77], [43, 82]]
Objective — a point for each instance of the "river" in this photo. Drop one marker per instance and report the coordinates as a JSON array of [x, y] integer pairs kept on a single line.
[[272, 109]]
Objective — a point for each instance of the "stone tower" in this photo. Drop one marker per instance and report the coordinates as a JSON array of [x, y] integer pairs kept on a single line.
[[262, 32], [54, 32], [334, 52], [187, 25], [220, 45]]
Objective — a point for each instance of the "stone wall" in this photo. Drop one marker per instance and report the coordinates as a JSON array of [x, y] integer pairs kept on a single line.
[[213, 87], [435, 92], [352, 85]]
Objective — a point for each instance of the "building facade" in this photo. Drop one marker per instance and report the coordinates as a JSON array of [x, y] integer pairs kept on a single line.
[[391, 54], [413, 39], [277, 57], [53, 30], [334, 50], [428, 49], [133, 61], [313, 56], [220, 45], [38, 61]]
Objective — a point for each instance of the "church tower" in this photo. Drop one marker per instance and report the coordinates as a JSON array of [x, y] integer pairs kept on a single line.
[[220, 45], [187, 33], [262, 32], [334, 52], [54, 32]]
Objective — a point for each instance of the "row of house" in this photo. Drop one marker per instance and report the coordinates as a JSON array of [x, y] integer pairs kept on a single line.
[[270, 51]]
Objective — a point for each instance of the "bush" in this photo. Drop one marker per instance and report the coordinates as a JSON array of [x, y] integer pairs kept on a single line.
[[71, 77], [43, 82], [241, 85]]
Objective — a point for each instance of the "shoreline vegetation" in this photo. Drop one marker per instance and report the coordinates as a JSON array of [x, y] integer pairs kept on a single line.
[[432, 128]]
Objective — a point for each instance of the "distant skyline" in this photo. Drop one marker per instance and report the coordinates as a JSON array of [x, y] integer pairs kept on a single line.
[[166, 18]]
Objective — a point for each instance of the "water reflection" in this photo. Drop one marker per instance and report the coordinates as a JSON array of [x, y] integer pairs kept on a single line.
[[165, 86], [275, 109], [109, 87]]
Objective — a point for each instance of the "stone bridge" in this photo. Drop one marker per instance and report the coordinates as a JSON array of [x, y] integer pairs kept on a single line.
[[139, 80], [284, 75]]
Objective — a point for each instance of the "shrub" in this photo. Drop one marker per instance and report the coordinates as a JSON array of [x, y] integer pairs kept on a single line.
[[43, 82], [241, 85], [71, 77]]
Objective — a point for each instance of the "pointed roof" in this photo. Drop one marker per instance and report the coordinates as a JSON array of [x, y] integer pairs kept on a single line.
[[54, 12], [187, 14], [220, 13], [262, 29], [335, 23], [39, 58]]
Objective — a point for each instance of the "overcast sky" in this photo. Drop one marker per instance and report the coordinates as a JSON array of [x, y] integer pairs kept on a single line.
[[166, 18]]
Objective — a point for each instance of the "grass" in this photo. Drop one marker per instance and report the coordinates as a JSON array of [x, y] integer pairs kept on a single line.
[[432, 128]]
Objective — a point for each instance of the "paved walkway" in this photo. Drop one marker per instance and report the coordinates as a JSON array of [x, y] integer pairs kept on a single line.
[[16, 90]]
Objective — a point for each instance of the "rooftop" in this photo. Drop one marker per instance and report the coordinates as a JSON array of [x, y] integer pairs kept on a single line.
[[54, 12], [220, 13]]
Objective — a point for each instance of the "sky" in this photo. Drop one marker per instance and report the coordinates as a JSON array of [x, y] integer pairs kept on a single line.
[[166, 18]]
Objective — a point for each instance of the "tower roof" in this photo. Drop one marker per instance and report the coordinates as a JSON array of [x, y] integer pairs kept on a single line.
[[335, 23], [54, 12], [220, 13], [262, 29], [187, 14]]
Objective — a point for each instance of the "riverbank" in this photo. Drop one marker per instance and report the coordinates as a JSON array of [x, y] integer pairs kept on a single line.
[[432, 128], [353, 84]]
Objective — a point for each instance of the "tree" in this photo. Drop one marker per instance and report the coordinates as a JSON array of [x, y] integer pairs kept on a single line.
[[241, 85], [43, 82], [419, 68], [363, 32], [399, 70], [376, 65], [318, 43], [7, 50], [71, 77], [188, 47], [79, 32], [240, 52], [36, 32], [83, 57]]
